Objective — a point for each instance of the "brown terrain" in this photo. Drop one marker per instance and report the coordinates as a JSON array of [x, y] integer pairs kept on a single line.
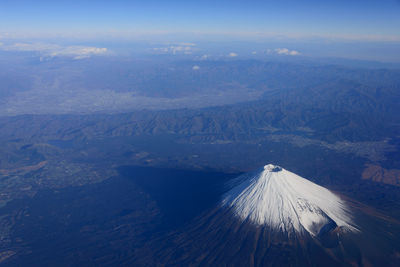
[[23, 169], [378, 174]]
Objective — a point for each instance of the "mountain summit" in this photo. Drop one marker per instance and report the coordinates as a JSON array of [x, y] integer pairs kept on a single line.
[[286, 202]]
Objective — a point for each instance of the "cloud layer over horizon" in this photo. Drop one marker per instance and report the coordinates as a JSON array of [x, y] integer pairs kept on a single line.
[[54, 50]]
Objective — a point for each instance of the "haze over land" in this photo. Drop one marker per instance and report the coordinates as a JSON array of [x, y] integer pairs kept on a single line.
[[124, 126]]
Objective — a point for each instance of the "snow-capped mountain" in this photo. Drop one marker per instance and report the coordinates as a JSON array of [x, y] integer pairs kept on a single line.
[[273, 217], [287, 202]]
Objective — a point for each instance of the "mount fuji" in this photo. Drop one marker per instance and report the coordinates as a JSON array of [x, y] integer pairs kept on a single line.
[[287, 202], [273, 217]]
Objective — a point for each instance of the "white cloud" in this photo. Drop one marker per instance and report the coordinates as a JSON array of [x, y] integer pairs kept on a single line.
[[53, 50], [254, 53], [161, 49], [195, 67], [187, 44], [285, 51], [180, 48], [232, 54], [79, 52]]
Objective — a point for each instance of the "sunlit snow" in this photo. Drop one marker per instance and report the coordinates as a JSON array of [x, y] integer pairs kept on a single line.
[[285, 201]]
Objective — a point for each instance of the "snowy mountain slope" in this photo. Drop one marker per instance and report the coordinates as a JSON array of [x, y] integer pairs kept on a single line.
[[287, 202]]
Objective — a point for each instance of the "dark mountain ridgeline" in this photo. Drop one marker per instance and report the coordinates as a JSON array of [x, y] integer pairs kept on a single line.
[[332, 112]]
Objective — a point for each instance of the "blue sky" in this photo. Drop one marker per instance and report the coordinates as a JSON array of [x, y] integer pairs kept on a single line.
[[337, 18], [368, 29]]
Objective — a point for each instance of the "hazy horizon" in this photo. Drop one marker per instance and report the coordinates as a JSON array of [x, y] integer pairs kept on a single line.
[[366, 30]]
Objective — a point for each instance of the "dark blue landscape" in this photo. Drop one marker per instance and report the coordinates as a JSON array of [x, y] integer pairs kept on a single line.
[[200, 133]]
